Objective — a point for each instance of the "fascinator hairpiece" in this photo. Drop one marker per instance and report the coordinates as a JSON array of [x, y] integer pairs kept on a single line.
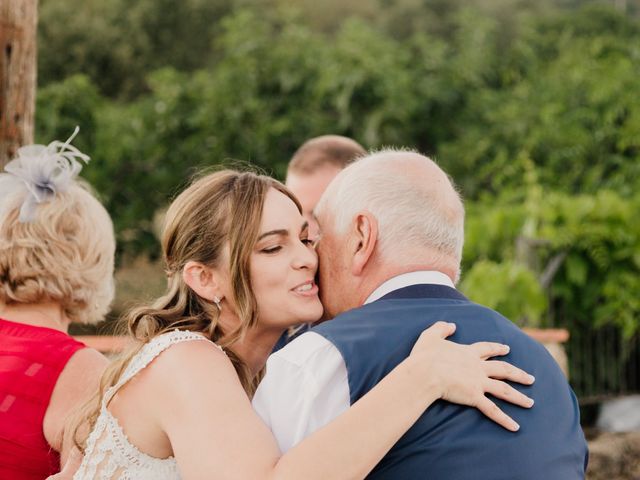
[[45, 171]]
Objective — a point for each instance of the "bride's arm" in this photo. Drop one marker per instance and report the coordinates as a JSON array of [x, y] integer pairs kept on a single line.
[[214, 432]]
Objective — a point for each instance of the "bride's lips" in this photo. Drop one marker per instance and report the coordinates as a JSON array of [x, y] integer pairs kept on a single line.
[[306, 289]]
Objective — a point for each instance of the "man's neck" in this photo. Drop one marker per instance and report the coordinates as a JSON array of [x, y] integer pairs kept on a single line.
[[375, 280]]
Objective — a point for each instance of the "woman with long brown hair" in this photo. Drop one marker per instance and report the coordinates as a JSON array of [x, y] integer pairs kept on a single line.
[[241, 270]]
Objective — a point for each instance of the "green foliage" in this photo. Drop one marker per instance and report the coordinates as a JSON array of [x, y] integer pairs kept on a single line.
[[508, 287], [534, 111], [573, 111], [600, 278], [63, 106], [117, 43], [596, 236]]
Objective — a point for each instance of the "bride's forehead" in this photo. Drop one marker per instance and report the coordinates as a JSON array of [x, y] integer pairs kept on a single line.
[[280, 211]]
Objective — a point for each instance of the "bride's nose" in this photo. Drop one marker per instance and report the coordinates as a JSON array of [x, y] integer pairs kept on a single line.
[[305, 257]]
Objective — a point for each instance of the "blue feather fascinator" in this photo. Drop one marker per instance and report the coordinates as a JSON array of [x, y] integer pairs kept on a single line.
[[45, 170]]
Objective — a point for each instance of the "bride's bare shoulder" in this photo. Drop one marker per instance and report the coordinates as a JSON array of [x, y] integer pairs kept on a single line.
[[190, 378], [182, 365], [198, 357]]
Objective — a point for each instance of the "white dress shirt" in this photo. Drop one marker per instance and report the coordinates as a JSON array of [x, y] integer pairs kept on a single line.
[[306, 384]]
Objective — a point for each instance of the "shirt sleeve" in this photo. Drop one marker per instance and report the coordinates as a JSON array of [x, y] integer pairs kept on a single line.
[[305, 387]]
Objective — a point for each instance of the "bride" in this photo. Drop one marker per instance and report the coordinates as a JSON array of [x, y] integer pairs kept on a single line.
[[177, 404]]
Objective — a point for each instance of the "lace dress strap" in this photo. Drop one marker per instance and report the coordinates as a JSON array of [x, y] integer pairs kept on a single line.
[[148, 353]]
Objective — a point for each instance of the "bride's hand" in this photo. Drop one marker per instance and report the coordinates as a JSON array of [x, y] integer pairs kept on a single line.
[[463, 374]]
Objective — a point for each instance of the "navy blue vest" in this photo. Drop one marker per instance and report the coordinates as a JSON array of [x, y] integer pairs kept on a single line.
[[452, 442]]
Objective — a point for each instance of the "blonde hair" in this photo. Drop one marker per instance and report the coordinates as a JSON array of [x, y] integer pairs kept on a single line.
[[64, 255], [218, 210]]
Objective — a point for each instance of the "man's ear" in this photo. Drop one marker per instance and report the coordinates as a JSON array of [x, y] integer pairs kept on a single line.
[[203, 280], [365, 238]]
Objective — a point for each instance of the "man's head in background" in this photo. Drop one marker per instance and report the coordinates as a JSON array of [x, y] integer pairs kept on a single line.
[[314, 165]]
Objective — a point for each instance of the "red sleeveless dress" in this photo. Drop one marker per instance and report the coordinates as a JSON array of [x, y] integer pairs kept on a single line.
[[31, 359]]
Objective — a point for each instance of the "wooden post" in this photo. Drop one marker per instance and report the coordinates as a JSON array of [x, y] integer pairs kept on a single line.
[[18, 21]]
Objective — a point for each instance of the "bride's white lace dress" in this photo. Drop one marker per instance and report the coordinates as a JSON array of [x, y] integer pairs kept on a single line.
[[109, 455]]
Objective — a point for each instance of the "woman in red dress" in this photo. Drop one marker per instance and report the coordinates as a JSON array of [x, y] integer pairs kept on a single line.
[[56, 267]]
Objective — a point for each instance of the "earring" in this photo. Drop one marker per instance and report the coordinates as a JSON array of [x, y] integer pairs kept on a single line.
[[217, 301]]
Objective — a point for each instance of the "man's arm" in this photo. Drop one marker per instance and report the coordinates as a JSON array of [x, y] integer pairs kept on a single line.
[[305, 387]]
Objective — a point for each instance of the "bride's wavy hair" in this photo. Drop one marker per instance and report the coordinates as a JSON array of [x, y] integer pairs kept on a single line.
[[218, 211]]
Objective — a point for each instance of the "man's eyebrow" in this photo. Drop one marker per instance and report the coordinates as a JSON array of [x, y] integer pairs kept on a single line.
[[282, 232]]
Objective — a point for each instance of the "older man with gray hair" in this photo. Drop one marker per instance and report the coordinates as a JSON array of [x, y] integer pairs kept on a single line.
[[392, 230]]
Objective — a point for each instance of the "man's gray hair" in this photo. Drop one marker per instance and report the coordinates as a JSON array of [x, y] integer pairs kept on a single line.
[[414, 201]]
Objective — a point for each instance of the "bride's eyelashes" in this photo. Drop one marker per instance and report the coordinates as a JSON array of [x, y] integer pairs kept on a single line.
[[268, 250], [307, 241]]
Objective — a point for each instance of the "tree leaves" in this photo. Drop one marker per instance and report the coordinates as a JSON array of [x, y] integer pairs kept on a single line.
[[534, 111]]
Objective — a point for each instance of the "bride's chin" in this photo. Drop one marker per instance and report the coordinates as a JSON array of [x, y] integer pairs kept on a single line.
[[318, 313], [312, 317]]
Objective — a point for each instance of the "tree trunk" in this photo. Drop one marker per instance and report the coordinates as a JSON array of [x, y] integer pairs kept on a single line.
[[18, 20]]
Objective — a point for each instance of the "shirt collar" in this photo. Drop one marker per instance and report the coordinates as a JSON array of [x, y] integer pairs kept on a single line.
[[407, 279]]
